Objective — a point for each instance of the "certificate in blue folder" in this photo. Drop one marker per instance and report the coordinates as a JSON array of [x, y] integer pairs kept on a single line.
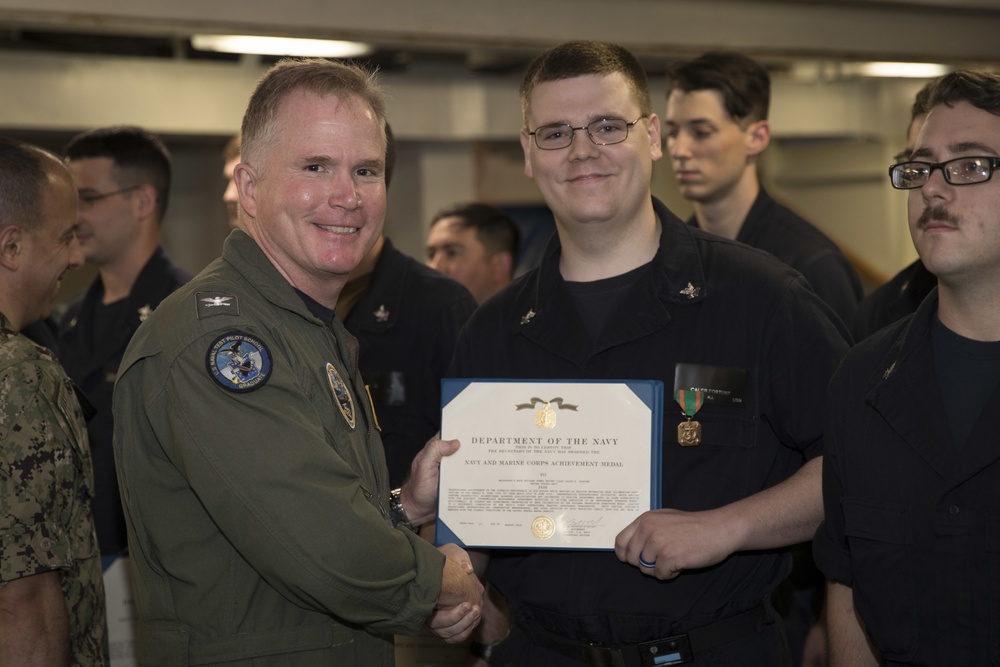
[[548, 464]]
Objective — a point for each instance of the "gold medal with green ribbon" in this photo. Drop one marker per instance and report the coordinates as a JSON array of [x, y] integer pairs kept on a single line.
[[689, 432]]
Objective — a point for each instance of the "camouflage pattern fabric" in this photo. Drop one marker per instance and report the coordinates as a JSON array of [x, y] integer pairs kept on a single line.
[[46, 489]]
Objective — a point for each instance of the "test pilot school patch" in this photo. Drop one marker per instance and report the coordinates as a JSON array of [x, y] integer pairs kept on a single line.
[[239, 362], [340, 392]]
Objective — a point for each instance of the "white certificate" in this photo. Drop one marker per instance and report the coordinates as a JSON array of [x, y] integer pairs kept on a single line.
[[548, 464]]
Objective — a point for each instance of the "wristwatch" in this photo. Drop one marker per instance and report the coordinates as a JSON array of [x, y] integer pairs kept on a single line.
[[396, 512]]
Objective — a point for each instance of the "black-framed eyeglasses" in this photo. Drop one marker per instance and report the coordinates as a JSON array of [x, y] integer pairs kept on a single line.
[[604, 132], [91, 198], [960, 171]]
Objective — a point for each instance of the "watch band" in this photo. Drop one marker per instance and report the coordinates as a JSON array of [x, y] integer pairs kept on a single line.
[[396, 512]]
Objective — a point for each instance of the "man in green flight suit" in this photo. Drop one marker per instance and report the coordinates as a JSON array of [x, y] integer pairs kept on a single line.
[[261, 526]]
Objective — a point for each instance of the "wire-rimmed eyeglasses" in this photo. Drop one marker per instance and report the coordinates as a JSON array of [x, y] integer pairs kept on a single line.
[[91, 198], [604, 132], [960, 171]]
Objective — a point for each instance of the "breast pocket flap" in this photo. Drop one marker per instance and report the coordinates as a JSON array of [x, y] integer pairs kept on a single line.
[[881, 522]]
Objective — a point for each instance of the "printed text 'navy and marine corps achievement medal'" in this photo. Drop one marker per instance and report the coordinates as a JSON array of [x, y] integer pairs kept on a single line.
[[689, 432], [340, 392], [545, 417], [239, 362]]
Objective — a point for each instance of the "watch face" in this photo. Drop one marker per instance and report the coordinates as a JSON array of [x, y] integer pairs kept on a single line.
[[396, 511]]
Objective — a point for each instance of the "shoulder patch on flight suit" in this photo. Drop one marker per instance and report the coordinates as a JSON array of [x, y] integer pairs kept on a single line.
[[216, 303], [239, 362]]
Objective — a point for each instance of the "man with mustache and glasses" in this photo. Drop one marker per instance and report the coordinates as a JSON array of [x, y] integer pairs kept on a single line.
[[911, 539], [901, 295]]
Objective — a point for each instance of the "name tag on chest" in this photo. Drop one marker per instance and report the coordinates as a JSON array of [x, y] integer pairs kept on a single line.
[[720, 385]]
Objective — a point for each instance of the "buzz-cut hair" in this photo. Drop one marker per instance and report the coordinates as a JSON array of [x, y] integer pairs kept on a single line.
[[25, 171]]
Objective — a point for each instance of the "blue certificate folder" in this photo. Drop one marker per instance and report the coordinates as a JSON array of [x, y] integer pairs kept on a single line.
[[548, 464]]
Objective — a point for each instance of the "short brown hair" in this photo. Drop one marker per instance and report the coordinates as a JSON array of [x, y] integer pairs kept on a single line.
[[231, 151], [139, 156], [494, 228], [742, 82], [319, 76], [580, 58], [980, 89]]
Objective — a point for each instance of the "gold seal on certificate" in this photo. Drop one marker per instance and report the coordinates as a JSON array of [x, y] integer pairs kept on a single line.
[[545, 417], [543, 527], [689, 433]]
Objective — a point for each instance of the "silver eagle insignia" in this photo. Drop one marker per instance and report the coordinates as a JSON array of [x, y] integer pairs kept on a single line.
[[691, 291]]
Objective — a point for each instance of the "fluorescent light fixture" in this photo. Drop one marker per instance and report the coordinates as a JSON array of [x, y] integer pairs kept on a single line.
[[280, 46], [903, 70]]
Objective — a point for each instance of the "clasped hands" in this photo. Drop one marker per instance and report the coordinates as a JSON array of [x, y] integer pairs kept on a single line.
[[460, 603]]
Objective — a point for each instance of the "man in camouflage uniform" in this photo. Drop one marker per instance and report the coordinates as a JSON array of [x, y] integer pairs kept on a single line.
[[51, 592]]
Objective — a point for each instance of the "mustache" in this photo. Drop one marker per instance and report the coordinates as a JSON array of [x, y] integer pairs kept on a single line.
[[938, 214]]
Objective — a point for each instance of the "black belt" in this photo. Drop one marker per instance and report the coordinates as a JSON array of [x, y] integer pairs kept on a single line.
[[675, 650]]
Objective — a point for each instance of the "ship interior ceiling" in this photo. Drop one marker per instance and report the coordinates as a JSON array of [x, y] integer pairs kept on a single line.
[[452, 70]]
